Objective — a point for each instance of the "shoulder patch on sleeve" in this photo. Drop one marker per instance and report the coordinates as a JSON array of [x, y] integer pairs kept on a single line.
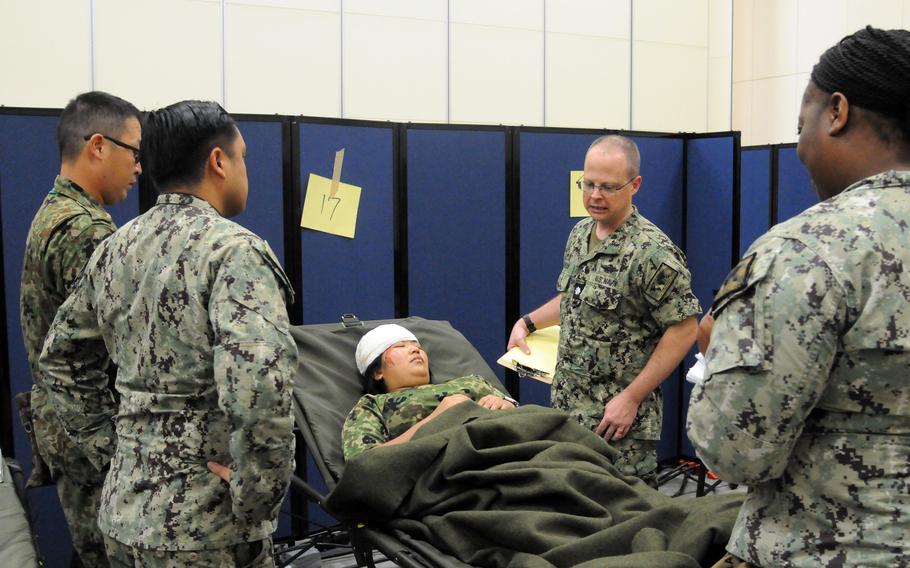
[[736, 281], [661, 282]]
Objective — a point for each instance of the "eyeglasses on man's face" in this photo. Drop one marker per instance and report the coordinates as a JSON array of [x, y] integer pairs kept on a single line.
[[588, 186], [120, 143]]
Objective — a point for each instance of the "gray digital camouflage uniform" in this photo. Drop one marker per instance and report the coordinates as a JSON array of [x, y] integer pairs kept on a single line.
[[617, 301], [378, 418], [806, 397], [63, 235], [191, 309]]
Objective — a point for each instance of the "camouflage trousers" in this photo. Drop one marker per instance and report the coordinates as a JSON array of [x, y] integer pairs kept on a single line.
[[637, 458], [730, 561], [256, 554], [78, 482]]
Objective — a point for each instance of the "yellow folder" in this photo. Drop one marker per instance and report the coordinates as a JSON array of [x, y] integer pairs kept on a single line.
[[541, 363]]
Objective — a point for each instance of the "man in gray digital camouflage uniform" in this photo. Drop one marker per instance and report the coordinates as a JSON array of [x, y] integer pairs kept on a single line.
[[190, 307], [806, 397], [98, 136], [626, 310]]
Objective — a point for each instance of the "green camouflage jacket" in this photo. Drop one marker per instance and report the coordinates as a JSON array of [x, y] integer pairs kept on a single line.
[[806, 397], [378, 418], [63, 235], [617, 302], [190, 307]]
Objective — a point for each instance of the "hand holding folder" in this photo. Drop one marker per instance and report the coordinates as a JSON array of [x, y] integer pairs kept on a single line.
[[540, 364]]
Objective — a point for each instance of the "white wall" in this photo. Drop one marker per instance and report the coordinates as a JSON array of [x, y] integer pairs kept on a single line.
[[775, 45], [642, 64]]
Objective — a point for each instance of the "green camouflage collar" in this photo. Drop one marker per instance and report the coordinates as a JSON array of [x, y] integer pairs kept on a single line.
[[68, 188], [891, 178], [177, 198]]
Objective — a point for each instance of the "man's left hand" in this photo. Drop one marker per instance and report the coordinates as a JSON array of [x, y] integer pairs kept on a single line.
[[619, 414]]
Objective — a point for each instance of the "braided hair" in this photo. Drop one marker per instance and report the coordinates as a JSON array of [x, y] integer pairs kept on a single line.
[[872, 69]]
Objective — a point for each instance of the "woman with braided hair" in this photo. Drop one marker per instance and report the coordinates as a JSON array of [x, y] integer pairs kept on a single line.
[[806, 398]]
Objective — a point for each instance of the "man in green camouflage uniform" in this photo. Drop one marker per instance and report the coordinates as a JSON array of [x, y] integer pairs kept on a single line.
[[806, 397], [94, 172], [626, 310], [190, 307]]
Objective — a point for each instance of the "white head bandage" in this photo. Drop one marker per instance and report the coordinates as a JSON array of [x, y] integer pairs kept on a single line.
[[376, 341]]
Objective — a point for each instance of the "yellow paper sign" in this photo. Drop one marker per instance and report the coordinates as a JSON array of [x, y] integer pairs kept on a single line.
[[576, 204], [323, 212]]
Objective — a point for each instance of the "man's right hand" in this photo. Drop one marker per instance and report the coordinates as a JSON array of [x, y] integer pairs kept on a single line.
[[517, 337]]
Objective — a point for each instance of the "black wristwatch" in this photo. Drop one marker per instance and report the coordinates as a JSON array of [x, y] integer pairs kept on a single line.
[[529, 324]]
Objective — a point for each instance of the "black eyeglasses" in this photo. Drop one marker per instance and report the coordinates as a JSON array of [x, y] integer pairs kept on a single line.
[[132, 149], [589, 186]]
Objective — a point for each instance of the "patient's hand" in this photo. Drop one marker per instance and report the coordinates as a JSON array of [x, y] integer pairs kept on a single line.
[[494, 402], [450, 401]]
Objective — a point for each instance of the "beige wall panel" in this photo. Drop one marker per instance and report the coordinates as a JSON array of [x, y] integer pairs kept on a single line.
[[720, 27], [774, 110], [822, 24], [682, 22], [601, 18], [395, 68], [669, 87], [497, 75], [587, 81], [156, 53], [742, 40], [415, 9], [523, 14], [282, 60], [886, 14], [718, 94], [314, 5], [742, 111], [774, 38], [45, 52]]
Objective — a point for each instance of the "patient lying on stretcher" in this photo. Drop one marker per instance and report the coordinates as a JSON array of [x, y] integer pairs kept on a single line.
[[400, 400], [512, 489]]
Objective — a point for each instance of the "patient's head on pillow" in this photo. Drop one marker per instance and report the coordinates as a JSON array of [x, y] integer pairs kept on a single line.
[[390, 358]]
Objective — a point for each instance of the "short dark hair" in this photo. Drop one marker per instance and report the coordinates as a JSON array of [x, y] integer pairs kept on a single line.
[[178, 139], [90, 113], [370, 384], [872, 69]]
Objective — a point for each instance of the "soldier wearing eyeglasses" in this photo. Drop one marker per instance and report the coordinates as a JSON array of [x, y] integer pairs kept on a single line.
[[626, 310], [98, 136]]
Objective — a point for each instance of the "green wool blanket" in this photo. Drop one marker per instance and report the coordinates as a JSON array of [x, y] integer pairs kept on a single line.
[[527, 488]]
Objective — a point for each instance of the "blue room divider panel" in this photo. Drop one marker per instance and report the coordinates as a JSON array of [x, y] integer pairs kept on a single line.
[[755, 195], [342, 275], [794, 188], [456, 232], [29, 161], [264, 213], [660, 200], [546, 158], [709, 229]]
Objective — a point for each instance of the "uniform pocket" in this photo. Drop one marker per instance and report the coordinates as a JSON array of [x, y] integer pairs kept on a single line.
[[600, 297]]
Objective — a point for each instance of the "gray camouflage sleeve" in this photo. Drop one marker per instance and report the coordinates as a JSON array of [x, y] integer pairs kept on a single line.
[[73, 368], [774, 341], [255, 360]]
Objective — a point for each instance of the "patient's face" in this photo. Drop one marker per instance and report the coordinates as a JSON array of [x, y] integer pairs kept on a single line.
[[404, 365]]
